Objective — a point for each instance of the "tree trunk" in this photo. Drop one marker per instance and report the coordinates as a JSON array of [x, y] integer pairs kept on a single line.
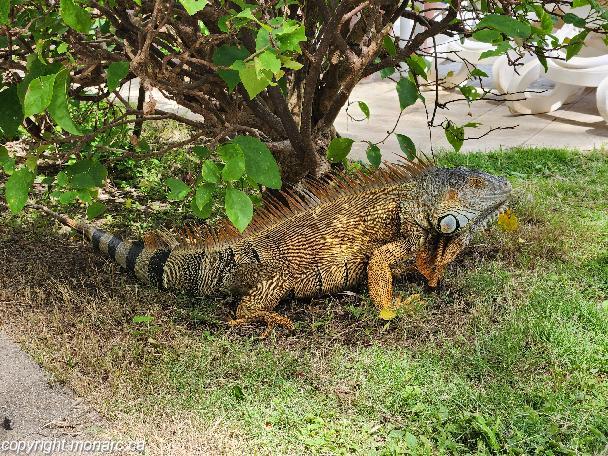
[[294, 167]]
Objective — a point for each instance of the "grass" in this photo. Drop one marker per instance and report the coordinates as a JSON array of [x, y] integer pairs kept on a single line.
[[509, 356]]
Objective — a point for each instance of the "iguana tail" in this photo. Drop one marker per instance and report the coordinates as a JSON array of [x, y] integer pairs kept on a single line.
[[147, 263]]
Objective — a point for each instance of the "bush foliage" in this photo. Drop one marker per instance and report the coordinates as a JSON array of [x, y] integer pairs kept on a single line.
[[263, 80]]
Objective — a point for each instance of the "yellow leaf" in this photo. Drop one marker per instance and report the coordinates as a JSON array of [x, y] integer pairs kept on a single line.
[[387, 314], [508, 221]]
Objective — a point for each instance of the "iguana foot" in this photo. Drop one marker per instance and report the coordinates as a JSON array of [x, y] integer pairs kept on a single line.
[[272, 320], [388, 313]]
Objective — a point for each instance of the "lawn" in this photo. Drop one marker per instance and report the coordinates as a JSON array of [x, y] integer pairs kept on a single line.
[[508, 356]]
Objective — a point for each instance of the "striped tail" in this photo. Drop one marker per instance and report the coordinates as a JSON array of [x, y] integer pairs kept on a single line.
[[146, 263]]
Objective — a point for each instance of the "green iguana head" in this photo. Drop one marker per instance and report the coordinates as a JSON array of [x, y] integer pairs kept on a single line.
[[454, 203]]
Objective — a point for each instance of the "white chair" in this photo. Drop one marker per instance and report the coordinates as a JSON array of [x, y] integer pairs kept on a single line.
[[588, 69]]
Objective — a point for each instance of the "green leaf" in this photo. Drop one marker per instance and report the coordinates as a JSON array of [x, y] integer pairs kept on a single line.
[[32, 163], [501, 48], [546, 23], [235, 165], [253, 82], [479, 73], [11, 113], [541, 57], [411, 440], [290, 63], [386, 72], [86, 174], [408, 93], [364, 109], [487, 35], [4, 157], [267, 60], [262, 40], [389, 45], [210, 172], [202, 213], [58, 108], [68, 197], [469, 92], [142, 319], [237, 392], [202, 152], [39, 95], [9, 166], [223, 23], [505, 24], [116, 72], [246, 13], [290, 41], [204, 195], [374, 156], [203, 28], [417, 65], [193, 6], [86, 196], [95, 209], [338, 149], [407, 146], [5, 9], [545, 20], [178, 189], [239, 208], [259, 162], [62, 180], [576, 44], [454, 135], [577, 21], [17, 189], [35, 69], [75, 16], [225, 56]]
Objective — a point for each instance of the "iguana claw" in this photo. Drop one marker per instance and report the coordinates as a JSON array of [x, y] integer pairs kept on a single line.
[[388, 313]]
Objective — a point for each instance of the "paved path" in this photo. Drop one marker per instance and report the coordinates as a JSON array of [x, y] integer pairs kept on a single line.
[[33, 408], [576, 125]]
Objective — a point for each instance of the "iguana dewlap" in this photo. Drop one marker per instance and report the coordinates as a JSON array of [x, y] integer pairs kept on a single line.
[[329, 237]]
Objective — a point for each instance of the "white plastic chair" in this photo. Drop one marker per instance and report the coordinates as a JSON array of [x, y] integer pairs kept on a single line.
[[588, 69]]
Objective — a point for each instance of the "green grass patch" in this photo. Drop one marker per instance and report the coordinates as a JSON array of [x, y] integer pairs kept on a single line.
[[509, 356]]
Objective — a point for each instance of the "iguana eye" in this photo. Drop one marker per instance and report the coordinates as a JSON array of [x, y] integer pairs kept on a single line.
[[448, 224]]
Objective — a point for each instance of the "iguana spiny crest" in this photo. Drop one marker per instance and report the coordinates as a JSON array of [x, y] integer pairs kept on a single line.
[[332, 236]]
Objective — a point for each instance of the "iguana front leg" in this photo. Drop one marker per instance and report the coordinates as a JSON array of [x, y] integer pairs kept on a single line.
[[380, 276], [259, 302]]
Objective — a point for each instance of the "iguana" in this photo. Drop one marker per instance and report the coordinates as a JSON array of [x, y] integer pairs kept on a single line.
[[327, 237]]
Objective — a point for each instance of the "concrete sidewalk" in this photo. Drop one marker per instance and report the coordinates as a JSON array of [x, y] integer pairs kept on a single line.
[[576, 125], [32, 407]]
